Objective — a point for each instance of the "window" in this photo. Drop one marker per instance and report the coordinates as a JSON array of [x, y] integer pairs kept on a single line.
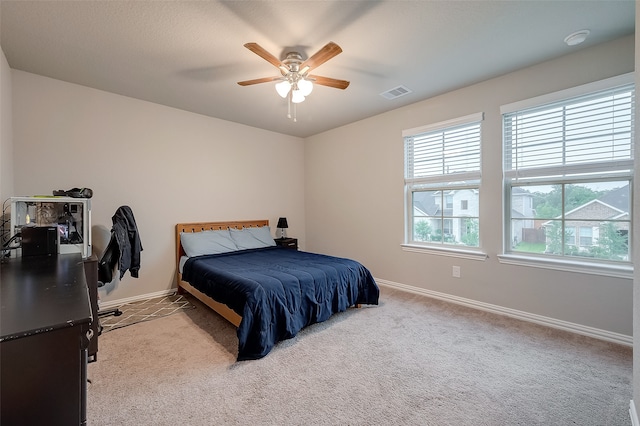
[[449, 198], [442, 182], [586, 236], [568, 169]]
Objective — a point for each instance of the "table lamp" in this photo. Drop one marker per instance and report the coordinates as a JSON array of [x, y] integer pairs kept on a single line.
[[282, 225]]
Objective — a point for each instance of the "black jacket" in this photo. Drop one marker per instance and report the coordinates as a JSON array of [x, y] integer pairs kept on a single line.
[[124, 247]]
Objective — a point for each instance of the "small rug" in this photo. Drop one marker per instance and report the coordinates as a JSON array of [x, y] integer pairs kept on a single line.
[[145, 310]]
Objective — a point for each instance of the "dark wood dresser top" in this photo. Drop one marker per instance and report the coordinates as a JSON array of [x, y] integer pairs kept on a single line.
[[42, 293]]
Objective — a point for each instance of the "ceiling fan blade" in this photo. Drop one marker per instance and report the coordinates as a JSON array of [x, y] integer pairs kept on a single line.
[[260, 51], [320, 57], [331, 82], [258, 81]]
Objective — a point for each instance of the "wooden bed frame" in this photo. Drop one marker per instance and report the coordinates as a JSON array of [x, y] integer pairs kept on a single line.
[[183, 286]]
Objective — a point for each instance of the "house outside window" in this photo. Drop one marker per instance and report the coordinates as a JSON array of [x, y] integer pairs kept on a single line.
[[568, 169], [442, 182]]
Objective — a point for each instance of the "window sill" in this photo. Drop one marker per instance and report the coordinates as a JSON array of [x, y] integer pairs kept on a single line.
[[617, 271], [445, 251]]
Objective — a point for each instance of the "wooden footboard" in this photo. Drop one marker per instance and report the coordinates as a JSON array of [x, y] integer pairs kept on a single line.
[[222, 309], [183, 286]]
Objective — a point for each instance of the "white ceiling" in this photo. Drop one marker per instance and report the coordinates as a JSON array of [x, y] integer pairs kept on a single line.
[[190, 54]]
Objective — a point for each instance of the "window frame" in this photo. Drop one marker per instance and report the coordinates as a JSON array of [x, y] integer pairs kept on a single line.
[[589, 265], [444, 183]]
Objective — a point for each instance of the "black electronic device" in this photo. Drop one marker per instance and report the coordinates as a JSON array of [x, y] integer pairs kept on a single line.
[[74, 193], [40, 240]]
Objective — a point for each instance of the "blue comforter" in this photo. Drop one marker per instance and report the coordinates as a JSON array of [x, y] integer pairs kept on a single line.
[[278, 291]]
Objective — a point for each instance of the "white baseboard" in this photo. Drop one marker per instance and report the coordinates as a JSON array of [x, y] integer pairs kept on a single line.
[[115, 303], [634, 414], [525, 316]]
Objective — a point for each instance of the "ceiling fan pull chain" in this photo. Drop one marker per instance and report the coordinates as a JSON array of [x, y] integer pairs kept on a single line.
[[291, 113]]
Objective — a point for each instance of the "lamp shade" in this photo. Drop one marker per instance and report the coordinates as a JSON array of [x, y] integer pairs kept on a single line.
[[305, 86], [297, 96], [283, 88], [282, 223]]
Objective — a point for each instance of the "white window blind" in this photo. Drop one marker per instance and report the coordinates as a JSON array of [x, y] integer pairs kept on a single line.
[[444, 152], [582, 136]]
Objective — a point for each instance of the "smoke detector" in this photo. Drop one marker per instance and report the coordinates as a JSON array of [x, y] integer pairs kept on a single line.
[[577, 37]]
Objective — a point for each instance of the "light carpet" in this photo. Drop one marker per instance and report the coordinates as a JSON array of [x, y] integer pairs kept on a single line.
[[411, 360]]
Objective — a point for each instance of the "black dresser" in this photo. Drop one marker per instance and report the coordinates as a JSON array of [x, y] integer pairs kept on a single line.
[[45, 331]]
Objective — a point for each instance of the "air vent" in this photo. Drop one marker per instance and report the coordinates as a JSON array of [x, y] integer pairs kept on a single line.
[[396, 92]]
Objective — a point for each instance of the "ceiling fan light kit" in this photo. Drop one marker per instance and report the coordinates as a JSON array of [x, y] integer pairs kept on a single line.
[[296, 83]]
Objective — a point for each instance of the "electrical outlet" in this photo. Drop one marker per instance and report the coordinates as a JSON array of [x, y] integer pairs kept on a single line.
[[455, 272]]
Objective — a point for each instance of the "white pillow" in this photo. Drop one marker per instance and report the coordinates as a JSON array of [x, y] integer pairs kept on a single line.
[[251, 238], [207, 242]]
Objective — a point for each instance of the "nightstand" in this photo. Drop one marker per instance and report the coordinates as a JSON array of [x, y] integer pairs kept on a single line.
[[291, 243]]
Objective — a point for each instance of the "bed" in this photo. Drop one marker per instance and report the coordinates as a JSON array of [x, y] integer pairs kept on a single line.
[[268, 292]]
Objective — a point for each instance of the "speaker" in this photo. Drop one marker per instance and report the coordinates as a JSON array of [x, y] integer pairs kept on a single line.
[[39, 240]]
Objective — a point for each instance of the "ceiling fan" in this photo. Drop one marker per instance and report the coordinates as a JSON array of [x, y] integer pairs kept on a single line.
[[295, 82]]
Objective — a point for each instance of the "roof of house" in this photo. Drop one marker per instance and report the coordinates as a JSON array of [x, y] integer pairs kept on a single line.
[[618, 198]]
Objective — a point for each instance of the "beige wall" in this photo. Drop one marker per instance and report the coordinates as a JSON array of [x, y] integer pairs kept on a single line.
[[168, 165], [636, 242], [355, 203], [6, 132]]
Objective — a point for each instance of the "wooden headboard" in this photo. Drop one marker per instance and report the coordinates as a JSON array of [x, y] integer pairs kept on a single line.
[[212, 226]]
